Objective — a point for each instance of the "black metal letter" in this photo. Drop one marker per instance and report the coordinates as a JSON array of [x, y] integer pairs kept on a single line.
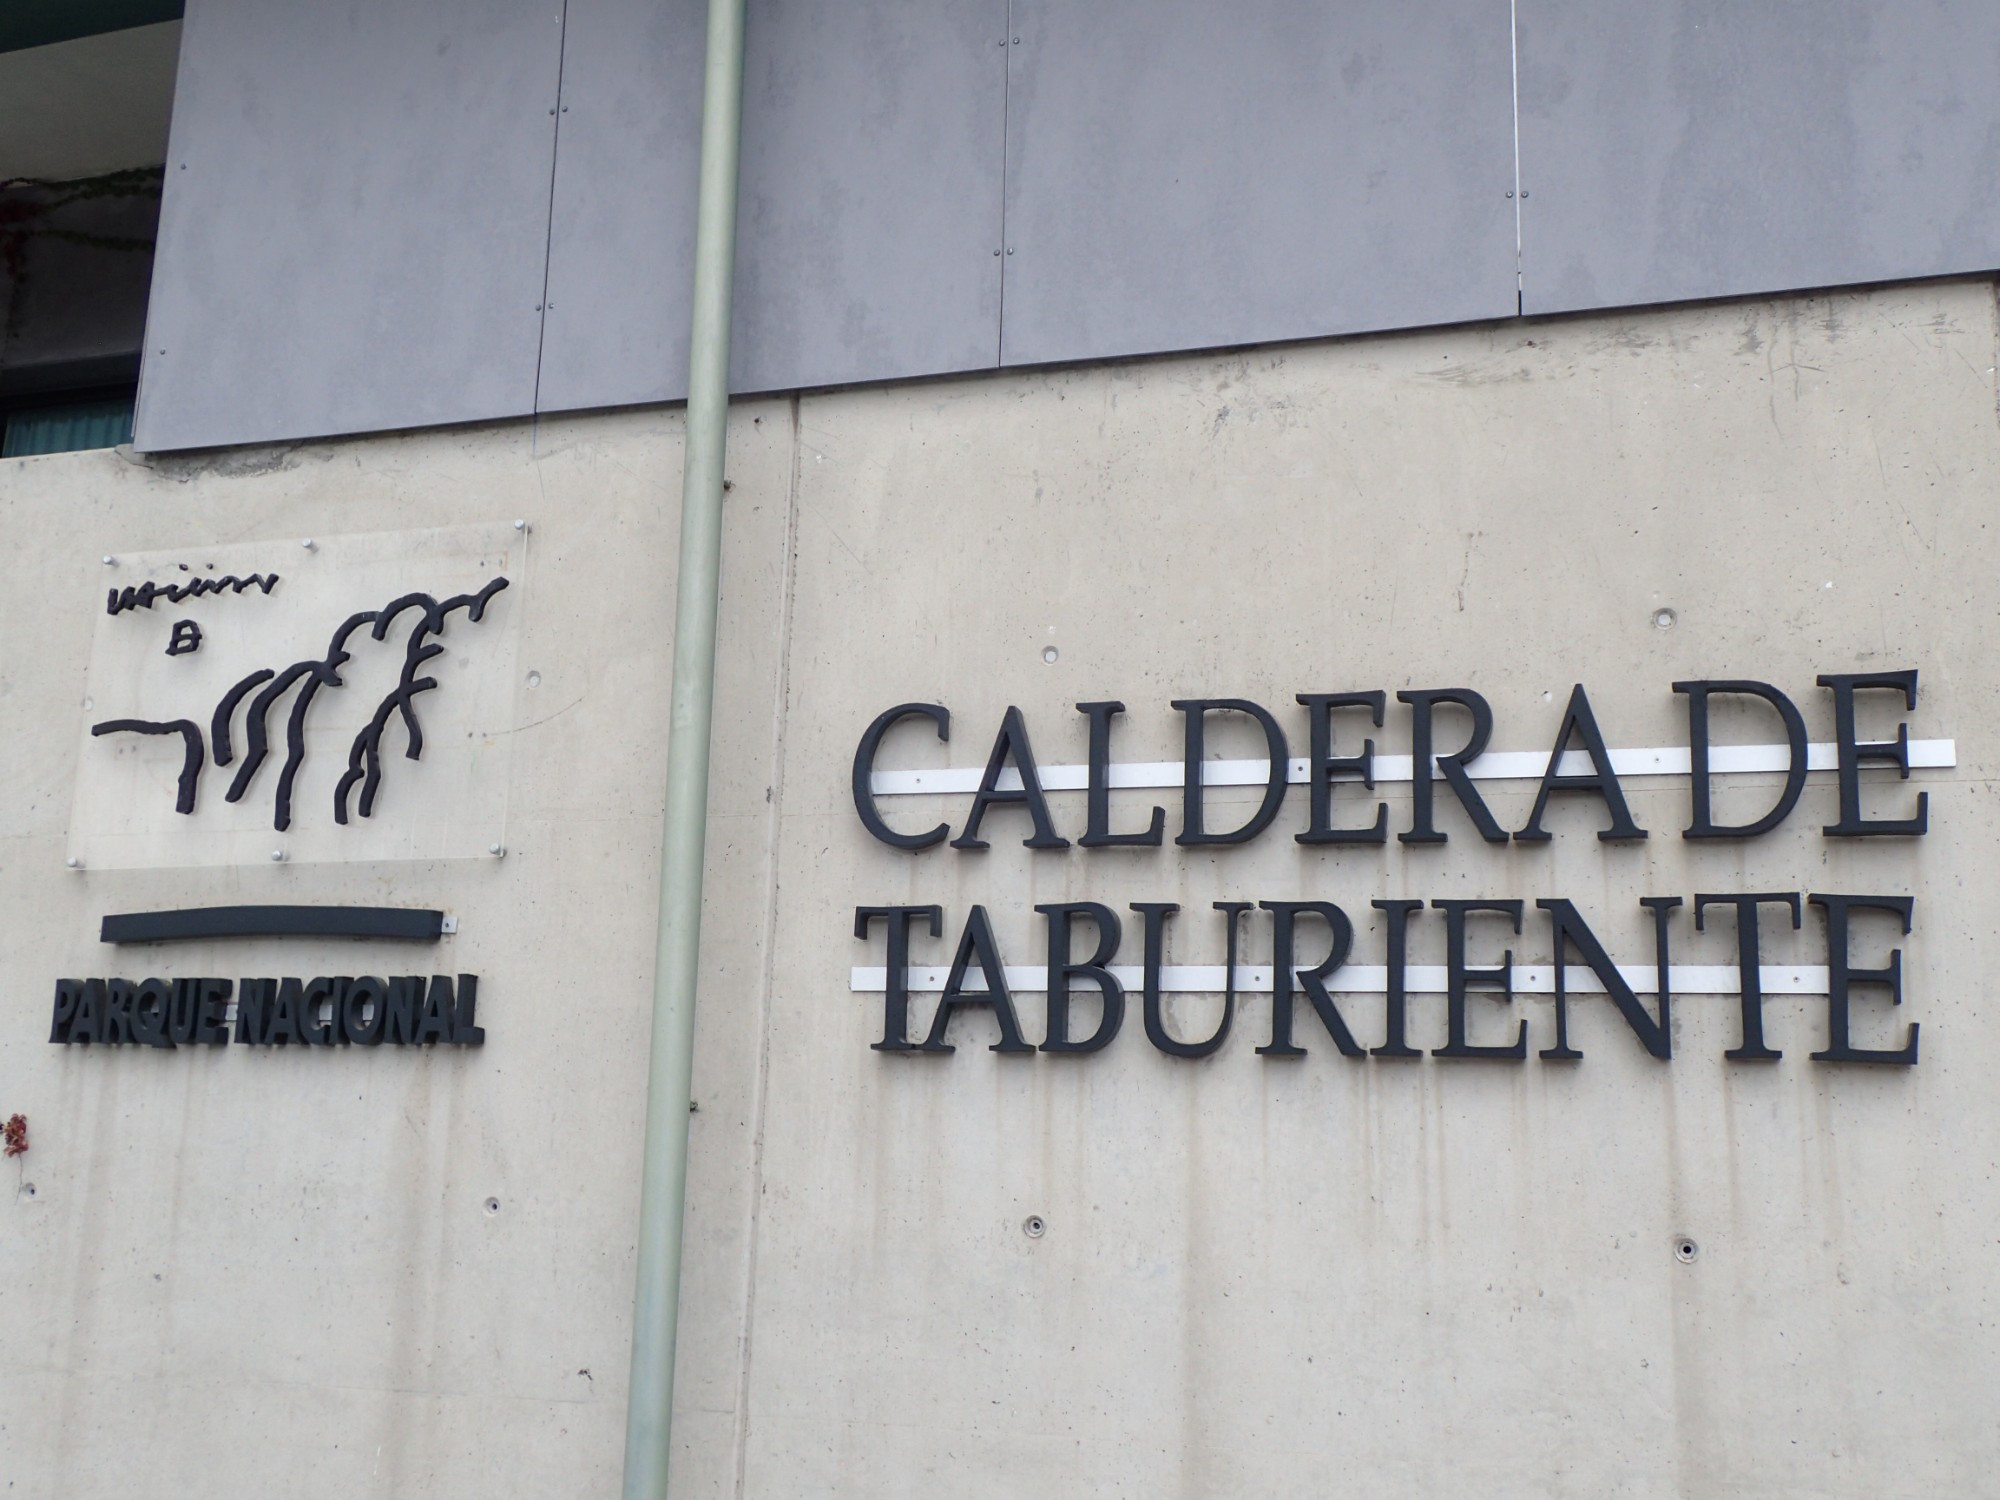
[[1324, 765], [1011, 744], [864, 769], [1894, 752], [896, 983], [1458, 978], [1568, 929], [1098, 834], [1841, 977], [977, 945], [1422, 703], [1601, 779], [464, 1030], [68, 993], [1284, 945], [1196, 711], [1396, 1008], [363, 1011], [1749, 975], [1061, 969], [1701, 825]]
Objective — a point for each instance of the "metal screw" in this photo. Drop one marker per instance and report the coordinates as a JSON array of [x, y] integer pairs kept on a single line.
[[1033, 1227], [497, 850], [310, 545], [74, 863], [1049, 654], [1010, 249], [110, 561], [520, 525], [1663, 619], [1685, 1250]]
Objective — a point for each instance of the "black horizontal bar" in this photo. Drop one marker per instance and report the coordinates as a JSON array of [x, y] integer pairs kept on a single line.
[[407, 922]]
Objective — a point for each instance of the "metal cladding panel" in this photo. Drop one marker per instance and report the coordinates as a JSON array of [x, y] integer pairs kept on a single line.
[[1707, 149], [1184, 174], [870, 196], [355, 220], [621, 237]]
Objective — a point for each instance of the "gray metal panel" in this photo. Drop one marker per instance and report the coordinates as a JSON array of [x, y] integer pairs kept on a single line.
[[356, 216], [1183, 174], [621, 236], [871, 186], [1704, 149]]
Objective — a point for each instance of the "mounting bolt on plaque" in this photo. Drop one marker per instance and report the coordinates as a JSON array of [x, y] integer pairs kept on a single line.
[[520, 525], [277, 856], [498, 851], [310, 545], [110, 561], [74, 863]]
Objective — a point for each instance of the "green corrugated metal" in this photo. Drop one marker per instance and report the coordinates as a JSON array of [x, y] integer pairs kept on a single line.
[[67, 428]]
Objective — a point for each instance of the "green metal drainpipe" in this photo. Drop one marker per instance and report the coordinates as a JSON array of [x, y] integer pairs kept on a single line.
[[663, 1179]]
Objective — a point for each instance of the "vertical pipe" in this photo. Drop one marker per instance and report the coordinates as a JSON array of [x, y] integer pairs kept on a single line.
[[663, 1181]]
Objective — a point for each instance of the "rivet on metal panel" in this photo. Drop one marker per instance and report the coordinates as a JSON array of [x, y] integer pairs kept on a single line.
[[996, 251], [1524, 192], [1510, 192], [1010, 249], [538, 307], [1017, 41]]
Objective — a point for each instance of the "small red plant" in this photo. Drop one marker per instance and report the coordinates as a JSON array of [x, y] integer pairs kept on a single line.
[[15, 1134]]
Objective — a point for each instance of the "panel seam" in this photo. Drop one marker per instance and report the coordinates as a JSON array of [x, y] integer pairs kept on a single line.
[[549, 225], [1006, 121], [774, 831], [1514, 67]]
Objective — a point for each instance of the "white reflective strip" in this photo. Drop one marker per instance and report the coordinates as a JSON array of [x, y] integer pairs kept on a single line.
[[1494, 765], [1373, 979]]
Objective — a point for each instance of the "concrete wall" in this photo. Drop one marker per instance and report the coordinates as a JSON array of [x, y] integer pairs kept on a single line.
[[250, 1272]]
